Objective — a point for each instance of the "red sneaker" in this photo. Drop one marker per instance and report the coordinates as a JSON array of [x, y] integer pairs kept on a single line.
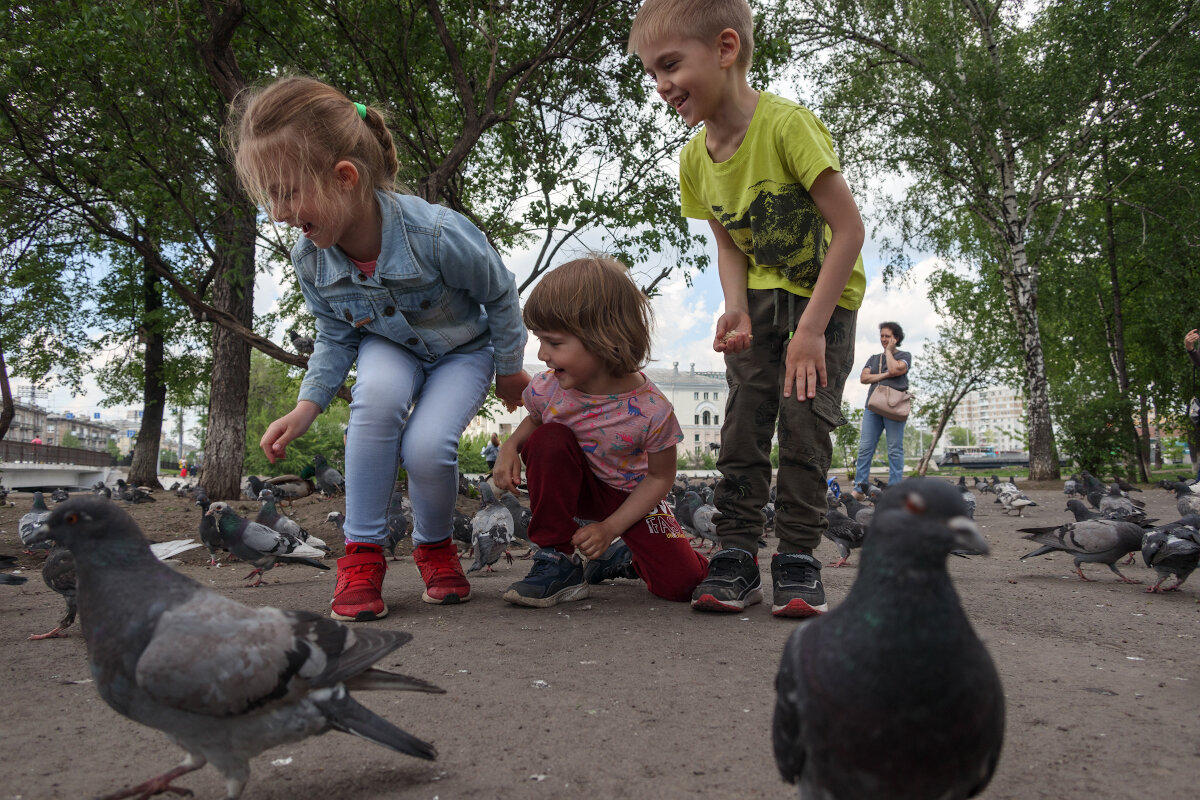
[[445, 582], [360, 574]]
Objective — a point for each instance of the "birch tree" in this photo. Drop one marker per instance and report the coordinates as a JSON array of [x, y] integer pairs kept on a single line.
[[993, 112]]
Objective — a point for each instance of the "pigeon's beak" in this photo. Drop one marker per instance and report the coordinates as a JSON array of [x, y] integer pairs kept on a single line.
[[967, 536], [40, 534]]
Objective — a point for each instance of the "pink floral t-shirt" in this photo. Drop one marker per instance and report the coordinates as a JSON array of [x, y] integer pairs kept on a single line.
[[615, 431]]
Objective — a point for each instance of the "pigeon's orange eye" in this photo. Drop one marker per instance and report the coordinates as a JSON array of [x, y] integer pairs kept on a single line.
[[71, 518]]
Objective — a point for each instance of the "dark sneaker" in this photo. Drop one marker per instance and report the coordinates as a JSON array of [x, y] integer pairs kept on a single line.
[[798, 592], [617, 562], [732, 584], [356, 597], [442, 572], [555, 578]]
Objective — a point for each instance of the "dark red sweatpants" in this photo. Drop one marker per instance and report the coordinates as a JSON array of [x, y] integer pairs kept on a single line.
[[563, 487]]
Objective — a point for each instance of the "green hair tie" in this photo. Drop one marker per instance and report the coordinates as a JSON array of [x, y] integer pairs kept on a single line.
[[362, 110]]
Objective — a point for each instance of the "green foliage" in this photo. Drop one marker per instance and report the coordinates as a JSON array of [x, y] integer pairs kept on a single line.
[[845, 437], [273, 387], [70, 440], [1090, 434], [470, 457]]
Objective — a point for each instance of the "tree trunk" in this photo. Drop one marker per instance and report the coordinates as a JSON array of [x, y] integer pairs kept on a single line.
[[143, 471], [1020, 283], [10, 410], [233, 291], [228, 396]]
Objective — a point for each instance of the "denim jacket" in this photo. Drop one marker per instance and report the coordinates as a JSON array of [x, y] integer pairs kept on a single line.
[[438, 288]]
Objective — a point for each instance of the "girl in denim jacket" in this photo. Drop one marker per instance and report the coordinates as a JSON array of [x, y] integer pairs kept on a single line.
[[411, 291]]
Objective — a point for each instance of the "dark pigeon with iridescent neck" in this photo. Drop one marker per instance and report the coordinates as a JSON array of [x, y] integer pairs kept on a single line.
[[891, 695]]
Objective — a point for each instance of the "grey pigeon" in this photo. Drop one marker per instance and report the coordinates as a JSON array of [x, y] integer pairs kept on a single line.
[[208, 532], [461, 533], [224, 681], [303, 345], [858, 511], [491, 531], [329, 480], [891, 695], [1117, 501], [60, 495], [30, 522], [270, 515], [59, 575], [399, 521], [134, 494], [1013, 500], [698, 518], [259, 545], [7, 579], [336, 518], [521, 515], [1187, 501], [1100, 541], [844, 532], [1173, 549], [1070, 486]]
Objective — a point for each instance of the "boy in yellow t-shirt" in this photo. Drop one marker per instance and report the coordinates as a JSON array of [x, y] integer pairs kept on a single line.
[[763, 172]]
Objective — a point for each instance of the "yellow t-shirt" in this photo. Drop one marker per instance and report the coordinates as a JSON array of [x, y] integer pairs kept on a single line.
[[760, 195]]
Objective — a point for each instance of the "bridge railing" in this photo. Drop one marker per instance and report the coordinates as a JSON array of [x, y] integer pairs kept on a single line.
[[23, 452]]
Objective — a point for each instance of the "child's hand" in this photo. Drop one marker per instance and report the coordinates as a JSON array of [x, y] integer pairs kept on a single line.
[[507, 472], [805, 362], [290, 426], [510, 388], [733, 332], [592, 540]]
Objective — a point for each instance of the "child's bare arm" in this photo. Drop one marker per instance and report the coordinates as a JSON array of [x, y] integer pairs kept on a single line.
[[733, 327], [805, 359], [592, 540], [507, 472]]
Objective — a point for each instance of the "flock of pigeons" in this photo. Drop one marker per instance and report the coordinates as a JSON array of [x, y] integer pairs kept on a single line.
[[227, 681]]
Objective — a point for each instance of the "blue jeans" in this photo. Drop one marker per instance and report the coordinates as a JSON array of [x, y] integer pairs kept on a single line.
[[406, 409], [872, 426]]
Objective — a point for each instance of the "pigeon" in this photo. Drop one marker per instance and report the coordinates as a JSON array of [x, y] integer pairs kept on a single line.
[[982, 486], [698, 518], [134, 494], [31, 520], [60, 495], [521, 515], [59, 574], [288, 487], [8, 579], [1070, 486], [969, 498], [1173, 549], [891, 694], [336, 518], [491, 531], [224, 681], [3, 496], [208, 532], [1117, 501], [259, 545], [399, 521], [1011, 500], [269, 515], [1101, 541], [1185, 500], [858, 511], [303, 345], [846, 533], [329, 480], [1124, 485], [461, 533]]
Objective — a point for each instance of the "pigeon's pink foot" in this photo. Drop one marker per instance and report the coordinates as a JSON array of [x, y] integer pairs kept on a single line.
[[841, 562], [159, 784], [57, 633]]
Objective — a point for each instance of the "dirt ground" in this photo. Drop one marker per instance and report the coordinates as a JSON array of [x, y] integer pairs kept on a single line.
[[624, 694]]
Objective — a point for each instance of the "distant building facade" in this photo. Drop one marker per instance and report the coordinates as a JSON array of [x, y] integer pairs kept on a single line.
[[90, 434], [994, 416], [28, 421], [698, 399]]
